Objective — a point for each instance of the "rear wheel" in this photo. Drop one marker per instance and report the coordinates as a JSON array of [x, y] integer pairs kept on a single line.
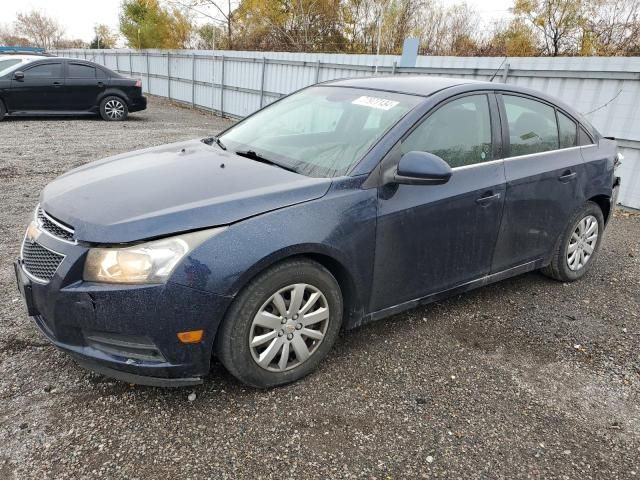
[[113, 109], [281, 325], [578, 246]]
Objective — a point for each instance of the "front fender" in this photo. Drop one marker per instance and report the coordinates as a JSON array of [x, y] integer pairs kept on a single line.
[[340, 226]]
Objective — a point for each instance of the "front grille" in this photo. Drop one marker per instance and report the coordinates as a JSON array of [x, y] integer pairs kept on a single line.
[[53, 227], [40, 262]]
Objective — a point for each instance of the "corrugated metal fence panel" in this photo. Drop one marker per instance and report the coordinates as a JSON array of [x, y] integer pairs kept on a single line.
[[605, 89]]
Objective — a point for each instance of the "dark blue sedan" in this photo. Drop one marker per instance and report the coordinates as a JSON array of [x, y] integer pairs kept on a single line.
[[343, 203]]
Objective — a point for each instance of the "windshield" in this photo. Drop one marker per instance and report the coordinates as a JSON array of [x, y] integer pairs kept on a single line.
[[320, 131], [7, 63]]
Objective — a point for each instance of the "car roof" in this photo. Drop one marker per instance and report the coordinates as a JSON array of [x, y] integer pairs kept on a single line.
[[411, 84]]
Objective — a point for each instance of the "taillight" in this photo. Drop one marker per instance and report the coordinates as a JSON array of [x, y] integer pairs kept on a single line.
[[139, 83]]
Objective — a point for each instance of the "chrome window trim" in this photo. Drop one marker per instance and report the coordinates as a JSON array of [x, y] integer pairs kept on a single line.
[[479, 164], [520, 157], [30, 275]]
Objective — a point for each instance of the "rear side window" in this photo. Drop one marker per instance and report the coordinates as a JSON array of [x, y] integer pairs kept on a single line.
[[532, 126], [458, 132], [76, 70], [47, 70], [101, 73], [568, 131]]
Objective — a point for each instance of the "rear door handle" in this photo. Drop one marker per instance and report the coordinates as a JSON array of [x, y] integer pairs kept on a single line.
[[57, 84], [566, 176], [488, 198], [100, 84]]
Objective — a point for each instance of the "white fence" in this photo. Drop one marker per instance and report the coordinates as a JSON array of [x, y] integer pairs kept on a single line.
[[234, 84]]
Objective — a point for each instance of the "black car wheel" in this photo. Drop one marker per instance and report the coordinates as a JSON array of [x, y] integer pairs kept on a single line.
[[578, 245], [3, 110], [113, 109], [281, 325]]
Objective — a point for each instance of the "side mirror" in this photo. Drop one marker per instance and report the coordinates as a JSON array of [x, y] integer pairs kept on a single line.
[[18, 75], [422, 168]]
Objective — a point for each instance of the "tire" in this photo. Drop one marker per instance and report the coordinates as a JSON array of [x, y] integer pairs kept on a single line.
[[113, 109], [242, 323], [3, 110], [567, 268]]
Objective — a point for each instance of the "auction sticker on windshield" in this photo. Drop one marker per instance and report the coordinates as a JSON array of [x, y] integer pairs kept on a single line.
[[373, 102]]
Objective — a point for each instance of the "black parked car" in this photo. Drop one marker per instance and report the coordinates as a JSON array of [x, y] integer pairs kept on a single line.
[[341, 204], [62, 86]]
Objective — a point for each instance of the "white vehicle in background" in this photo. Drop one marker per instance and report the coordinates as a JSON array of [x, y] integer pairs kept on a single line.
[[9, 62]]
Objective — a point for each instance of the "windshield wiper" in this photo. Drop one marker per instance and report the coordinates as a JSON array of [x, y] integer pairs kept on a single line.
[[251, 154], [216, 140]]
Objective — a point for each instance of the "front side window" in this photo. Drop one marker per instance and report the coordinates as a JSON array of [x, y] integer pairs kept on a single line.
[[458, 132], [52, 70], [320, 131], [532, 126], [75, 70]]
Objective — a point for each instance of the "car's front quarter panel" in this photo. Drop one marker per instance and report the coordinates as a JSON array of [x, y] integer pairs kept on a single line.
[[339, 226]]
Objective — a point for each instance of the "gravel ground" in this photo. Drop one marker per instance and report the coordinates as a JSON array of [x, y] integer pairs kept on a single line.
[[528, 378]]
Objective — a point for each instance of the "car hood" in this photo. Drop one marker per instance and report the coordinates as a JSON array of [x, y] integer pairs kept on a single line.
[[169, 189]]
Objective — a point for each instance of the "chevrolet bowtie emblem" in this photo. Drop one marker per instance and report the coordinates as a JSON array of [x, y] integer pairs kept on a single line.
[[33, 232]]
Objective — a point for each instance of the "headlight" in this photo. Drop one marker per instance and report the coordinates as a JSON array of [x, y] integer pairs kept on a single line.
[[151, 262]]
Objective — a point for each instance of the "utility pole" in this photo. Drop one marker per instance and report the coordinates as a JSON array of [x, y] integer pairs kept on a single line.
[[379, 34]]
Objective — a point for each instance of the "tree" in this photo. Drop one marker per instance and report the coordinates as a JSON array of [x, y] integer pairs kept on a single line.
[[558, 22], [227, 14], [40, 30], [146, 24], [104, 38], [296, 25], [611, 27], [512, 39]]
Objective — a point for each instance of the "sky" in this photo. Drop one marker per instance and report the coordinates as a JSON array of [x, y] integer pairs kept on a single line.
[[80, 16]]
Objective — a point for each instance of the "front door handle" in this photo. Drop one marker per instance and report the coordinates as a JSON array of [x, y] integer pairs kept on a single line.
[[488, 198], [566, 176], [57, 84]]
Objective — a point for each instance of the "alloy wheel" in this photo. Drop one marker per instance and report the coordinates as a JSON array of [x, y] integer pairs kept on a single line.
[[114, 109], [289, 327], [582, 243]]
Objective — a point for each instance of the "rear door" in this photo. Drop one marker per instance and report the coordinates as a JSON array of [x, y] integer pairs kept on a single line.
[[82, 86], [40, 89], [545, 179], [432, 238]]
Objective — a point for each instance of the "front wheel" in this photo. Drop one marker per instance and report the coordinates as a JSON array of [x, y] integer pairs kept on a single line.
[[281, 325], [113, 109], [578, 246]]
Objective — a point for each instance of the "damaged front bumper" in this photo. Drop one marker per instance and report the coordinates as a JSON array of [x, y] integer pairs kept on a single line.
[[128, 332]]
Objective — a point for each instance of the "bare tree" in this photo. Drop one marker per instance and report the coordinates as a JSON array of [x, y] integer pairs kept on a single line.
[[40, 30], [612, 27]]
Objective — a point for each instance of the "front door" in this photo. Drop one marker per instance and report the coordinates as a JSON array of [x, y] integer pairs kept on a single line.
[[42, 88], [432, 238]]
